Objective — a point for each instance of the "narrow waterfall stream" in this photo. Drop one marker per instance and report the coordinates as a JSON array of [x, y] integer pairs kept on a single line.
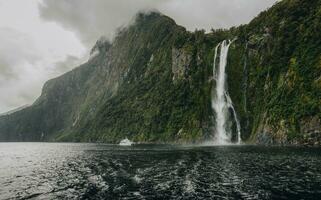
[[221, 101]]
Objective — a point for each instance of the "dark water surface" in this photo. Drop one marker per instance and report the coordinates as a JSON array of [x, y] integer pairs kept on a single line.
[[96, 171]]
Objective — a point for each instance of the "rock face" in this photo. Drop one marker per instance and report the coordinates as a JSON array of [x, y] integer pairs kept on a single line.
[[310, 127], [153, 83], [126, 89], [14, 110], [284, 65], [180, 63]]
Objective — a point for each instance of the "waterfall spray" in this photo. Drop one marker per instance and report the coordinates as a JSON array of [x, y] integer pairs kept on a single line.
[[221, 101]]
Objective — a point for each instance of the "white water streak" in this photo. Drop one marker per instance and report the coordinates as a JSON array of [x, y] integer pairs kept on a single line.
[[221, 102], [238, 126]]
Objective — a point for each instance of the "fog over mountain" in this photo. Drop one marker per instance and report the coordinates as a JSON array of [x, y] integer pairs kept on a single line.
[[41, 39]]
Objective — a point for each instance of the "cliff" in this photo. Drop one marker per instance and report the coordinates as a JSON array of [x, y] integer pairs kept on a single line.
[[283, 70], [153, 84]]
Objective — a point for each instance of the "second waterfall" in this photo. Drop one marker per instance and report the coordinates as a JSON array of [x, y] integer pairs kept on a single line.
[[221, 102]]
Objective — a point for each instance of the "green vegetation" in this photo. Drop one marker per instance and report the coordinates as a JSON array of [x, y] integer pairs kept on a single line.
[[153, 83], [284, 67]]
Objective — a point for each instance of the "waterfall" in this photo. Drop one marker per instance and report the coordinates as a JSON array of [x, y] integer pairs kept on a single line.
[[221, 101], [238, 126]]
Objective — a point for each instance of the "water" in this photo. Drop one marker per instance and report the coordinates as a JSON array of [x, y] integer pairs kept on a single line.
[[96, 171], [238, 126], [221, 101]]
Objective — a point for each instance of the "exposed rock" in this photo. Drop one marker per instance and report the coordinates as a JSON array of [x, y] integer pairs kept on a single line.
[[268, 134], [310, 127], [180, 63], [310, 133], [264, 137]]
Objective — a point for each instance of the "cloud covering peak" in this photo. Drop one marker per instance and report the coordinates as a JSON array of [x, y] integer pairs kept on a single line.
[[41, 39], [91, 19]]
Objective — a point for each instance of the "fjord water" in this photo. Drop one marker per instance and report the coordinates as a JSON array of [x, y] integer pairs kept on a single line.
[[221, 101], [97, 171]]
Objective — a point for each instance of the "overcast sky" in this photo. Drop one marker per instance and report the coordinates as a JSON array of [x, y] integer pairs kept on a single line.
[[41, 39]]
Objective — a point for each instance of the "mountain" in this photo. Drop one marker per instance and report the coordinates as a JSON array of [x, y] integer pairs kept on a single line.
[[14, 110], [153, 83], [284, 73]]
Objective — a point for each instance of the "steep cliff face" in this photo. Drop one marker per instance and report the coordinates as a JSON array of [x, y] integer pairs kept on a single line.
[[62, 102], [150, 85], [165, 93], [283, 72], [153, 84]]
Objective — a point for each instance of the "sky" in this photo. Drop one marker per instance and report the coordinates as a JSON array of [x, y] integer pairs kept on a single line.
[[42, 39]]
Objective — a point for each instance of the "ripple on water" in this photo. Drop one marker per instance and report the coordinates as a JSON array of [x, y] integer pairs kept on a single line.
[[82, 171]]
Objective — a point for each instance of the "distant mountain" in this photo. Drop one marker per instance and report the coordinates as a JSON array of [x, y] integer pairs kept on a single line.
[[14, 110], [153, 83]]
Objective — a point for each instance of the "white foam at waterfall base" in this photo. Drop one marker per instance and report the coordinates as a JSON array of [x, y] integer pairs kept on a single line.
[[221, 102], [125, 142]]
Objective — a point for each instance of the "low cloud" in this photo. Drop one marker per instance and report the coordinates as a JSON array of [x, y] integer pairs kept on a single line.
[[18, 57], [31, 52], [68, 64], [94, 18], [41, 39], [17, 49]]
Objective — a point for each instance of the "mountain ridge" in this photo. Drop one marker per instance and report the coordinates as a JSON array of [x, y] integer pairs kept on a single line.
[[153, 84]]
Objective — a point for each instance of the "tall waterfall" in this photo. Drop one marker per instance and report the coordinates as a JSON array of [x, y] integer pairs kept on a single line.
[[221, 101]]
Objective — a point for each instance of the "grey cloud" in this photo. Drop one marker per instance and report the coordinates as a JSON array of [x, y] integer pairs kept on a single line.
[[20, 86], [91, 19], [24, 66], [29, 51], [68, 64], [5, 70], [16, 51], [215, 14], [17, 48]]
